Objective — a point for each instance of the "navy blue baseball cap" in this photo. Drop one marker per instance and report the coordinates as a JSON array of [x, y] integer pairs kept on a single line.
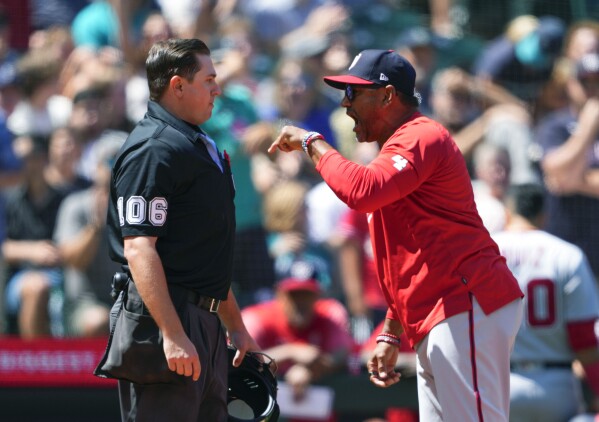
[[377, 67], [301, 275], [542, 45]]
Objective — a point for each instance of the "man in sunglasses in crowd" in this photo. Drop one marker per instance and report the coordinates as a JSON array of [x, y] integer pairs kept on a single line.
[[446, 284]]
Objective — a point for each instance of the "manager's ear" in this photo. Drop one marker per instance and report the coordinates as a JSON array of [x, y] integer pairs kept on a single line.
[[390, 93]]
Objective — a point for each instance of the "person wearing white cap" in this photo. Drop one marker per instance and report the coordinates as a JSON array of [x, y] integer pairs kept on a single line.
[[447, 287]]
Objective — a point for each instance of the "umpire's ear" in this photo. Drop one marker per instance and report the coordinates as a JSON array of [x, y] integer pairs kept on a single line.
[[176, 86]]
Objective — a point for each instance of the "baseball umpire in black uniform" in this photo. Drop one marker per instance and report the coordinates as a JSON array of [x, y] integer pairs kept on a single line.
[[171, 224]]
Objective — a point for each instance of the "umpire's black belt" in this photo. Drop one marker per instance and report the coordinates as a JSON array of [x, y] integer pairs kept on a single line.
[[203, 302], [531, 366]]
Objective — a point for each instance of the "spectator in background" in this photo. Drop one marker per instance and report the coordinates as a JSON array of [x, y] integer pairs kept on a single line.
[[90, 122], [349, 239], [521, 59], [477, 112], [33, 291], [326, 55], [9, 97], [10, 165], [285, 222], [55, 41], [454, 99], [562, 309], [306, 334], [492, 168], [42, 109], [292, 95], [510, 126], [9, 92], [277, 22], [582, 38], [416, 45], [318, 53], [569, 141], [197, 19], [235, 52], [46, 14], [182, 16], [155, 28], [112, 24], [323, 211], [64, 153], [233, 116], [361, 291], [81, 237]]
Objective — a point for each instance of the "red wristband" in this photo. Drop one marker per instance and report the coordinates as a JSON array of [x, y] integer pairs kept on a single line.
[[383, 338], [390, 335]]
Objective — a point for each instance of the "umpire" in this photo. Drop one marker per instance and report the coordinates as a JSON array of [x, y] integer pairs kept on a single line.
[[171, 225]]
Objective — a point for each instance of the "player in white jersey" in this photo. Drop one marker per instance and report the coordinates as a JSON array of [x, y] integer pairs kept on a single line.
[[561, 309]]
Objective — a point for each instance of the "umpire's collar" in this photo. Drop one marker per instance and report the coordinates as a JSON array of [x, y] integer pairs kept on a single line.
[[194, 133]]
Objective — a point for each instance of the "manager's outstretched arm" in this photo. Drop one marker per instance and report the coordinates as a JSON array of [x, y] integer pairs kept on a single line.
[[291, 138]]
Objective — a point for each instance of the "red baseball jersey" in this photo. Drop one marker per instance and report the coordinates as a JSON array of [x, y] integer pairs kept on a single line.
[[328, 330], [431, 248]]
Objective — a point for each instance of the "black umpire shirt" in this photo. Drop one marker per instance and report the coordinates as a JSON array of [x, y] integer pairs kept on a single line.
[[165, 184]]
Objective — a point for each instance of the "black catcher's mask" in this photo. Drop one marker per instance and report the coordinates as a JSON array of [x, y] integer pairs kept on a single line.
[[252, 395]]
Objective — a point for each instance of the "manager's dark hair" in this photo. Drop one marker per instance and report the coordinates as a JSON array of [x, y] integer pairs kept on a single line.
[[527, 200], [172, 57]]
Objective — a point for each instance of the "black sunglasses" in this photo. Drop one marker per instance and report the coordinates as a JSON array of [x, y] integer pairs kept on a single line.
[[350, 93]]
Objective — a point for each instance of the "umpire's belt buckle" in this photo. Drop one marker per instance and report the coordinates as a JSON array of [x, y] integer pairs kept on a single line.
[[206, 303], [214, 304]]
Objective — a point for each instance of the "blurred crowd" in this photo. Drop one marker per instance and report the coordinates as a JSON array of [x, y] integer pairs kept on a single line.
[[515, 82]]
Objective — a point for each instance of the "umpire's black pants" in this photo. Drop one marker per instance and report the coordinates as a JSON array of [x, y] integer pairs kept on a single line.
[[200, 401]]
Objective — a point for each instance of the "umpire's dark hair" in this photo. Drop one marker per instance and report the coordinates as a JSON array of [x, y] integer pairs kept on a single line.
[[527, 200], [172, 57]]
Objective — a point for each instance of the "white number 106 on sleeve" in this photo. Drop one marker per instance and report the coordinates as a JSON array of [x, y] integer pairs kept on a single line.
[[137, 211]]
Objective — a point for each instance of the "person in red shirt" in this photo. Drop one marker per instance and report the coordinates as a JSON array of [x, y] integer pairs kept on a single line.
[[446, 284], [306, 334], [365, 301]]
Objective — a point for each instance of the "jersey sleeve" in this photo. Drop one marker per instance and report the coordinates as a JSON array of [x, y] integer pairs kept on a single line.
[[405, 161], [581, 295], [144, 184], [581, 335]]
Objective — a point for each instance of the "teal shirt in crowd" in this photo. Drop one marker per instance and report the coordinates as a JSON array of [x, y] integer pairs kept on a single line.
[[234, 112], [96, 25]]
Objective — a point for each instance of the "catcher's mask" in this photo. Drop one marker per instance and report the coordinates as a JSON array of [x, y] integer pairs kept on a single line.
[[252, 395]]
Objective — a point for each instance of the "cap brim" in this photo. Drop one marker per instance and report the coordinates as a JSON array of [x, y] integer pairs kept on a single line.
[[341, 81], [291, 284]]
